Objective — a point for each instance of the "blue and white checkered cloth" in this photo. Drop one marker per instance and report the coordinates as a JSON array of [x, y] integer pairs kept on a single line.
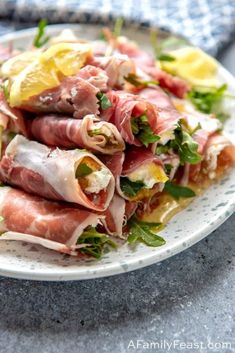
[[209, 24]]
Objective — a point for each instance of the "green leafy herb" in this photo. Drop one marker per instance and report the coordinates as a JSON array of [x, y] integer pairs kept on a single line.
[[143, 231], [103, 101], [95, 132], [130, 188], [96, 242], [178, 191], [173, 42], [6, 89], [142, 131], [147, 136], [162, 149], [158, 47], [137, 82], [168, 168], [206, 99], [118, 27], [41, 38], [222, 116], [165, 57], [83, 170], [185, 146]]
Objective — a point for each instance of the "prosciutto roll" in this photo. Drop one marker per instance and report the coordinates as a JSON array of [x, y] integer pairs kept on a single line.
[[139, 174], [33, 219], [168, 116], [116, 67], [76, 95], [90, 133], [74, 176], [146, 65], [135, 118]]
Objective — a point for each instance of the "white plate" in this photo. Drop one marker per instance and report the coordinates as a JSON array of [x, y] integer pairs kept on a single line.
[[202, 216]]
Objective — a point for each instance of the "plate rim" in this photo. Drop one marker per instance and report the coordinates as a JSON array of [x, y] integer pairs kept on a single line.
[[116, 267]]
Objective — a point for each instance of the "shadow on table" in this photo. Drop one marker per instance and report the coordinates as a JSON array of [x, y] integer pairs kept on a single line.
[[105, 304]]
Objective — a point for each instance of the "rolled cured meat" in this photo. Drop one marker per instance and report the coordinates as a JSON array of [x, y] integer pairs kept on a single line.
[[74, 176], [116, 67], [167, 117], [90, 133], [76, 95], [146, 64], [135, 118], [33, 219], [139, 174]]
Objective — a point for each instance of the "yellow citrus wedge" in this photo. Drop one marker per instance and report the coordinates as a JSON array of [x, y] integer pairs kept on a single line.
[[68, 58], [45, 70], [17, 63], [33, 80], [193, 65]]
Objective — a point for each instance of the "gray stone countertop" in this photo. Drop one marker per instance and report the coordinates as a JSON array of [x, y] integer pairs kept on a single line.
[[189, 298]]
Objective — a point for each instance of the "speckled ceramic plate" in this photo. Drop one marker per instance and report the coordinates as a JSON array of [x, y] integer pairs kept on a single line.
[[200, 218]]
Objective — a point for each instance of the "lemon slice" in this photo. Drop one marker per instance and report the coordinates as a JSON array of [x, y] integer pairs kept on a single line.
[[193, 65], [68, 58], [33, 80], [16, 64]]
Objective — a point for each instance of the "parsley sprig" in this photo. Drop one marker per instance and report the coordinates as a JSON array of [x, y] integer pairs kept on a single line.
[[144, 232], [41, 38], [96, 241]]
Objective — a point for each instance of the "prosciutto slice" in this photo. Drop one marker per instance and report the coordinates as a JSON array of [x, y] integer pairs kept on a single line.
[[126, 106], [89, 132], [146, 64], [11, 118], [76, 95], [51, 224], [52, 173], [168, 116], [116, 68]]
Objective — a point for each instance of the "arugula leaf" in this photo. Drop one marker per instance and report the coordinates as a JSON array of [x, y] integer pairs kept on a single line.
[[205, 99], [41, 38], [130, 188], [104, 102], [158, 48], [162, 149], [97, 242], [168, 167], [165, 57], [137, 82], [6, 89], [143, 231], [83, 170], [178, 191], [118, 27], [147, 136], [173, 42], [95, 132], [142, 131], [185, 146]]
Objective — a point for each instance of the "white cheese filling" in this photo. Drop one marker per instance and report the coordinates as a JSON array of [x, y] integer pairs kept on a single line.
[[98, 181], [150, 174]]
